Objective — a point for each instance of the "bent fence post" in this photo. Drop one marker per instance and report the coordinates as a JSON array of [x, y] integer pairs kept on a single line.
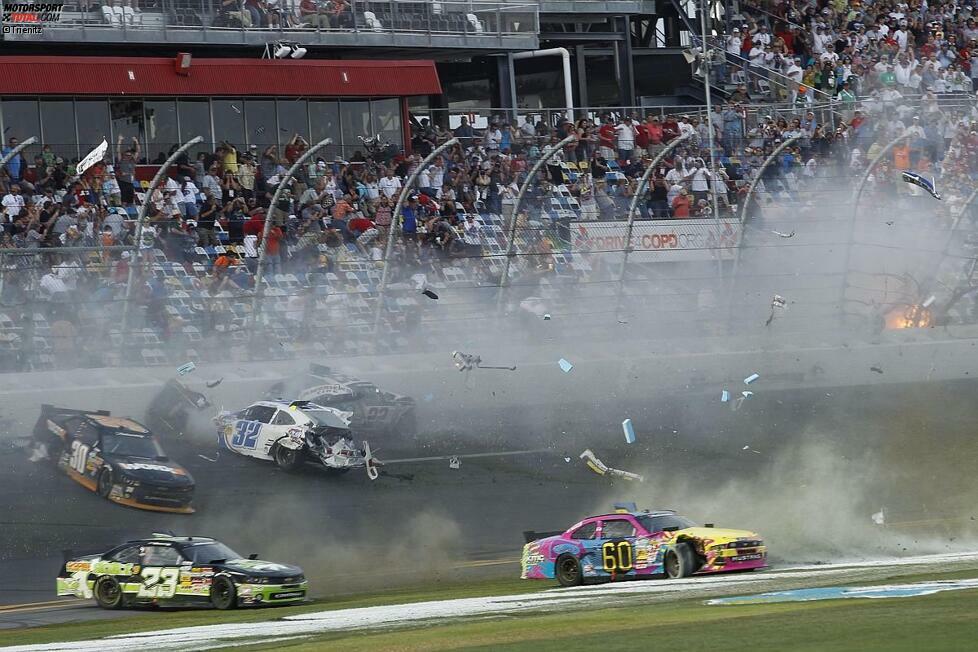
[[855, 211], [515, 215], [396, 216], [136, 259], [633, 206], [266, 229]]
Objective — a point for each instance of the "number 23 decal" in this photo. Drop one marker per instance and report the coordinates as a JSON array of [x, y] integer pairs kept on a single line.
[[159, 582], [616, 556], [246, 434]]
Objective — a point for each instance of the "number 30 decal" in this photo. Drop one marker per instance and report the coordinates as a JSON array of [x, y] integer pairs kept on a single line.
[[616, 556], [79, 456]]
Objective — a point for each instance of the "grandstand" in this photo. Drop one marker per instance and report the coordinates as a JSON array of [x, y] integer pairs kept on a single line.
[[711, 237]]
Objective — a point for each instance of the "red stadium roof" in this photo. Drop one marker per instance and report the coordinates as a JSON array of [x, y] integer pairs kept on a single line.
[[70, 75]]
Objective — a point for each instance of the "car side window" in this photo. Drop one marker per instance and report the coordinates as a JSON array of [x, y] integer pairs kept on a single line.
[[87, 433], [618, 528], [161, 556], [129, 555], [586, 531], [261, 413], [283, 418]]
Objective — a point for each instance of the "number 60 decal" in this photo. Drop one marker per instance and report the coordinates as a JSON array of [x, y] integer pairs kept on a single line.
[[616, 556]]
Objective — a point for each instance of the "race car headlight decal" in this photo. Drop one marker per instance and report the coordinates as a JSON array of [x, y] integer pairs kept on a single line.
[[132, 482], [256, 580]]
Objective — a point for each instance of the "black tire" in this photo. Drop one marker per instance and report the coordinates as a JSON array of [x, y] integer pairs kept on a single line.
[[108, 592], [567, 570], [104, 483], [287, 459], [680, 562], [224, 595]]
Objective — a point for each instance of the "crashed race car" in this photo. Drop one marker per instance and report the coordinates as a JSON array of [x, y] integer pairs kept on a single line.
[[633, 544], [117, 458], [169, 411], [165, 570], [294, 433], [374, 411]]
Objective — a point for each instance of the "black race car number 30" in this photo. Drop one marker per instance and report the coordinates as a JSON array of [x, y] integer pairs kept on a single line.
[[616, 556]]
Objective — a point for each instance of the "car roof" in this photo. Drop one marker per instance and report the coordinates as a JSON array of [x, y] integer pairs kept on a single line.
[[168, 538], [118, 423], [644, 512]]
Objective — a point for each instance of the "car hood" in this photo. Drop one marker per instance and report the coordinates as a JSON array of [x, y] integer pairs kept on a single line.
[[718, 535], [151, 471], [259, 568]]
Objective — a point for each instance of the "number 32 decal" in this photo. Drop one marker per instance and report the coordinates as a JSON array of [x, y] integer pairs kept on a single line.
[[246, 434], [616, 556]]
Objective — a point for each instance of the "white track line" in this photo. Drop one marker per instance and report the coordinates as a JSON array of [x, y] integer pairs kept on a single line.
[[231, 634]]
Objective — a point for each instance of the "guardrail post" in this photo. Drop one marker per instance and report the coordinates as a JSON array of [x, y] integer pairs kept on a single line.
[[266, 229], [515, 215], [136, 259], [396, 216], [633, 206]]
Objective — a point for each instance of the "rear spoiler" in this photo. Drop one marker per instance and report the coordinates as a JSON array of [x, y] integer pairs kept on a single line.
[[49, 410], [530, 535]]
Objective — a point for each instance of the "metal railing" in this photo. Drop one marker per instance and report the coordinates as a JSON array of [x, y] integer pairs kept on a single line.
[[355, 21]]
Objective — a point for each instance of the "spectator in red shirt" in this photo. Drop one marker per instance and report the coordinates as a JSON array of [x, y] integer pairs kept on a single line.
[[680, 205], [607, 137], [670, 129], [273, 260], [654, 128]]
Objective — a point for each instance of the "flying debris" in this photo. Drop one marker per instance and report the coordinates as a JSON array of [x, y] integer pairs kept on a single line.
[[39, 453], [931, 299], [724, 396], [626, 425], [751, 378], [600, 468], [565, 366], [879, 518], [468, 362], [778, 302], [877, 369], [546, 316], [782, 234], [919, 180], [211, 384], [746, 393], [454, 462], [185, 369], [216, 457], [430, 294], [889, 223]]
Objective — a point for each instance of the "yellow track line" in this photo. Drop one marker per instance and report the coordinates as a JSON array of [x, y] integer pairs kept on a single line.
[[52, 604]]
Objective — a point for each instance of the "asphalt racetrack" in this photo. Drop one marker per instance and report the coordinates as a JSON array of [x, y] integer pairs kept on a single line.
[[791, 469]]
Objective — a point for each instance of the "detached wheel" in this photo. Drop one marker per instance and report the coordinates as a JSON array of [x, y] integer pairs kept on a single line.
[[567, 569], [224, 595], [104, 486], [286, 458], [108, 593], [680, 562]]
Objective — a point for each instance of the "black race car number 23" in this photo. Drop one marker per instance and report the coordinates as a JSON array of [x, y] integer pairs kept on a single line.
[[616, 556]]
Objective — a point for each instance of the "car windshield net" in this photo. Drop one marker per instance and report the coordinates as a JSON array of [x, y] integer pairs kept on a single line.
[[660, 523], [204, 553], [128, 444]]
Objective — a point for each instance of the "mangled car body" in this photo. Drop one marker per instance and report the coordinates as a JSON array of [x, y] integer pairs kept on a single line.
[[294, 433]]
